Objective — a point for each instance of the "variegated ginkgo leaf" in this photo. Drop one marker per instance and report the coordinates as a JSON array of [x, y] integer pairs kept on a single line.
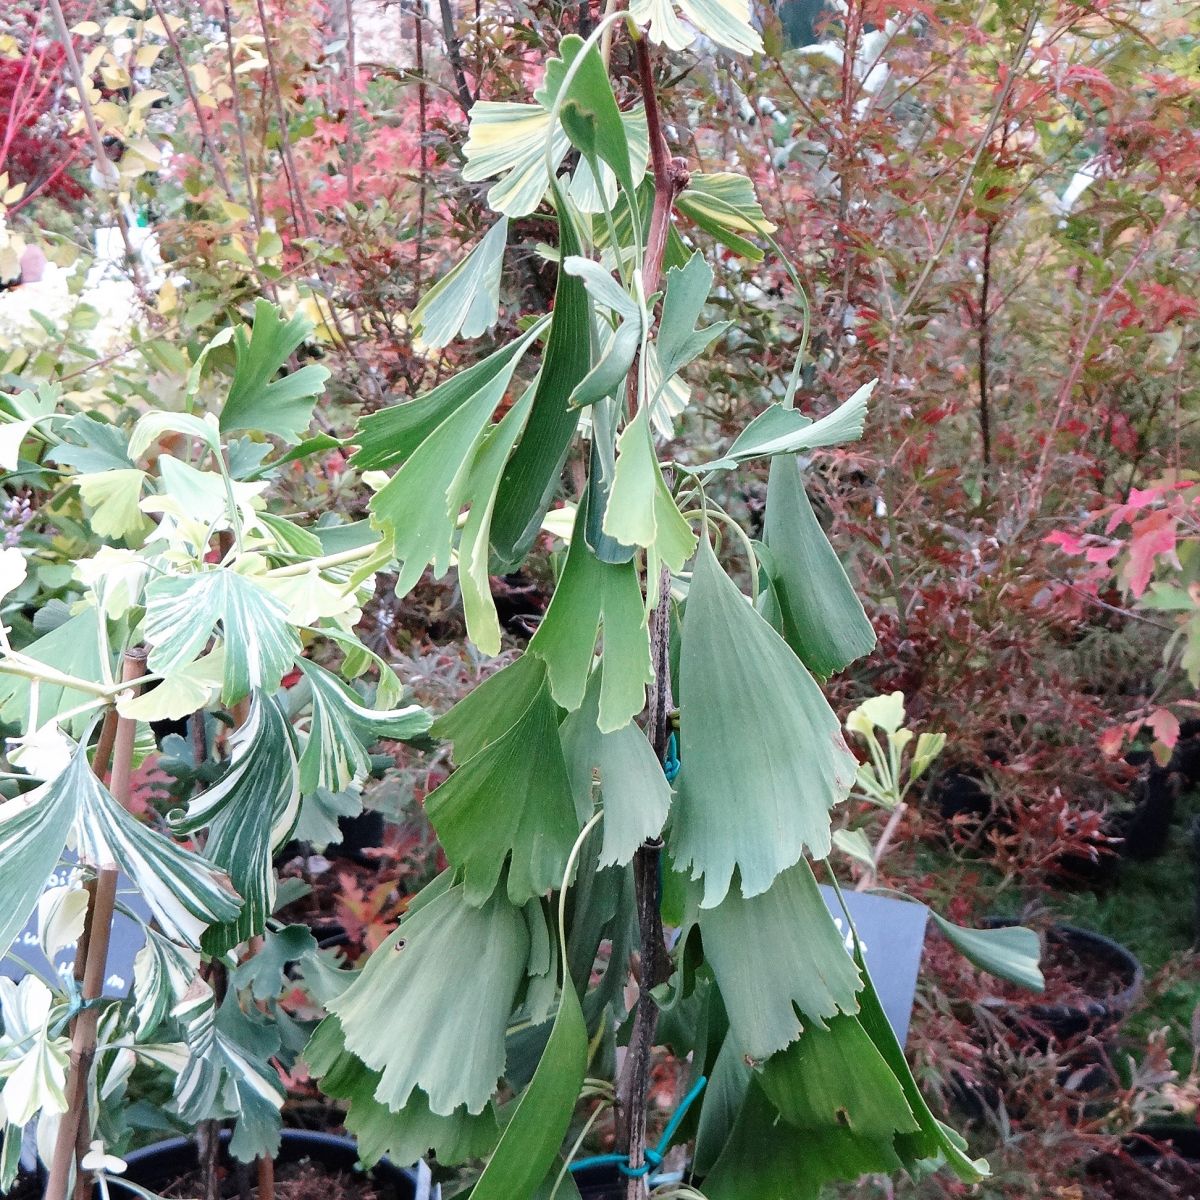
[[726, 22], [33, 1062], [250, 812], [343, 728], [466, 299], [183, 612], [229, 1072], [162, 974], [509, 140]]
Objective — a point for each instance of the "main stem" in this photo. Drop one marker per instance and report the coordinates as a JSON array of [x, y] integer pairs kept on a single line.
[[670, 176], [94, 948]]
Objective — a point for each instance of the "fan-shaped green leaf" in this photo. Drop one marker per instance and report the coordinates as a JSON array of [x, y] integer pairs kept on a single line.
[[594, 597], [510, 803], [822, 619], [1009, 952], [256, 400], [430, 1008], [777, 954], [751, 801]]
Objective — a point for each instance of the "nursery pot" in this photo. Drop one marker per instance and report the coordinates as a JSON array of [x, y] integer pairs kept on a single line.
[[1159, 1162], [159, 1166], [1092, 984]]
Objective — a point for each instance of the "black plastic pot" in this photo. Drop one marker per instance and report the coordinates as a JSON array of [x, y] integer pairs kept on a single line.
[[158, 1166], [1159, 1162], [600, 1183], [1060, 1022]]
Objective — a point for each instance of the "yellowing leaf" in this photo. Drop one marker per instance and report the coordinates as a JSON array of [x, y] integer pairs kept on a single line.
[[114, 496]]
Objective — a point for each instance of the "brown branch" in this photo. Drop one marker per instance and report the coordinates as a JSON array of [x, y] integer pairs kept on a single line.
[[454, 53]]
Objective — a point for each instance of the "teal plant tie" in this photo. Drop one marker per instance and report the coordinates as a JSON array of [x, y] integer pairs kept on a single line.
[[655, 1156], [671, 761]]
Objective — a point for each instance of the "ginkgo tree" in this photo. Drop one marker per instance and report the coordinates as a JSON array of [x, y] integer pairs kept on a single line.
[[201, 603], [661, 757]]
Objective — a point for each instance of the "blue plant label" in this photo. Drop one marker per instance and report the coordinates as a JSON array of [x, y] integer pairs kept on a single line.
[[892, 934], [127, 939]]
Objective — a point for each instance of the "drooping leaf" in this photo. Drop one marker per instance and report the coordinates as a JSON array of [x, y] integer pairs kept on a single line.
[[532, 473], [933, 1140], [474, 545], [641, 511], [249, 812], [509, 140], [430, 1008], [754, 802], [403, 1136], [183, 613], [162, 973], [726, 22], [533, 1136], [343, 729], [590, 193], [388, 437], [259, 401], [466, 299], [511, 803], [723, 1098], [678, 340], [636, 794], [780, 430], [185, 690], [33, 832], [492, 708], [229, 1073], [1009, 952], [724, 205], [822, 619], [183, 891], [777, 954], [595, 597], [621, 343]]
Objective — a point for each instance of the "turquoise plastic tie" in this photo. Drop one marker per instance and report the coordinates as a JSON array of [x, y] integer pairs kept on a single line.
[[653, 1156], [671, 763]]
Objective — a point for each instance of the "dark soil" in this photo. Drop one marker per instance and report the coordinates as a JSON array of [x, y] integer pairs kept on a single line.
[[293, 1181], [1132, 1177]]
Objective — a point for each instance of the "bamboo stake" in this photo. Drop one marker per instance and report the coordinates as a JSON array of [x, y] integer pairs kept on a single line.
[[94, 944]]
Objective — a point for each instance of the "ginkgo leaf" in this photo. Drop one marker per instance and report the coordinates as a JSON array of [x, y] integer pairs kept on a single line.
[[821, 617], [184, 611], [511, 803], [781, 430], [162, 973], [249, 812], [621, 343], [113, 498], [185, 892], [726, 22], [257, 400], [34, 1059], [203, 496], [595, 597], [403, 1136], [678, 340], [466, 299], [73, 648], [532, 474], [474, 550], [640, 509], [635, 793], [736, 673], [183, 692], [430, 1008], [388, 437], [153, 425], [724, 205], [777, 954], [589, 194], [492, 708], [343, 729], [509, 140]]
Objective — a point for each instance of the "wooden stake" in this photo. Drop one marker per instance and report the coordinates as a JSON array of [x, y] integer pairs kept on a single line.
[[74, 1128]]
